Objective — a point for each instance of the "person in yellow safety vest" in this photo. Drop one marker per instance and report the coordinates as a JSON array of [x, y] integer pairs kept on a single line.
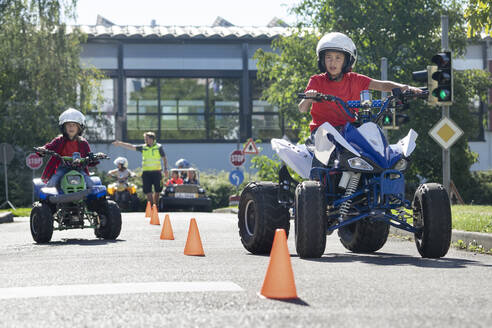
[[152, 153]]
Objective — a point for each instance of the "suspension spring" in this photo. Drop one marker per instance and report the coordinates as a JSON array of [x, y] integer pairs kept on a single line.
[[351, 188]]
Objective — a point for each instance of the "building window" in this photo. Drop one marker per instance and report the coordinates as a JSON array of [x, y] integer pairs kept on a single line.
[[223, 100], [100, 120], [141, 107], [183, 108], [267, 122]]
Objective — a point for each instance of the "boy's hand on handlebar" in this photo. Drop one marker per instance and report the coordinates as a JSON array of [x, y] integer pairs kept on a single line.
[[41, 151], [312, 96], [407, 88]]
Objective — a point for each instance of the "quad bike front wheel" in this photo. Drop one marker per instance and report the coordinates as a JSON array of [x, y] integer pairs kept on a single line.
[[260, 215], [41, 223], [310, 221], [110, 219], [432, 216]]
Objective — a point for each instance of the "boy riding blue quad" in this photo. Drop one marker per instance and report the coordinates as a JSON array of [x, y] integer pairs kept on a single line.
[[337, 55], [68, 198], [354, 179], [72, 124]]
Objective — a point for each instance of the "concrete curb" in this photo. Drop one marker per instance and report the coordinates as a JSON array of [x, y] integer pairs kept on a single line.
[[6, 217], [226, 210], [476, 238]]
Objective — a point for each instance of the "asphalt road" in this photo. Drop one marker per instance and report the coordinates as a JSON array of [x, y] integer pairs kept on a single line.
[[142, 281]]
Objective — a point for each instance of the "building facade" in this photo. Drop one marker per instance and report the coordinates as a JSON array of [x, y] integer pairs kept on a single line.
[[195, 87], [479, 56]]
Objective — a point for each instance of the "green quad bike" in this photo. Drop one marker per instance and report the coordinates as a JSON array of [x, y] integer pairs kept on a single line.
[[71, 205]]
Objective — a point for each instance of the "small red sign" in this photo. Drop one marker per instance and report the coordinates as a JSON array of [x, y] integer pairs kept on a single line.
[[250, 147], [237, 157], [34, 161]]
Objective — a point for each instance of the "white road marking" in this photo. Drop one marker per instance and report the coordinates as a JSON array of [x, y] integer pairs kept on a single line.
[[120, 288]]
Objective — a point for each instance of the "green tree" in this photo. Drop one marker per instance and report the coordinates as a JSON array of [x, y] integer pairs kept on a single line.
[[479, 16], [408, 35], [40, 76]]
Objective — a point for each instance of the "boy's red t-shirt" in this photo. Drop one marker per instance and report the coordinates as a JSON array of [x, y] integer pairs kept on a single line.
[[348, 88], [70, 147]]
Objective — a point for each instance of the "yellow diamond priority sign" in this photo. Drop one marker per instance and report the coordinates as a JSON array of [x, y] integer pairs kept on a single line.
[[446, 132]]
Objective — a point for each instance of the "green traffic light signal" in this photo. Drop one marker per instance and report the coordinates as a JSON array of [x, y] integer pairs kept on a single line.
[[387, 120], [444, 77]]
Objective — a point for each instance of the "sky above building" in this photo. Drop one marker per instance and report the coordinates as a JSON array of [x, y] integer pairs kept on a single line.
[[183, 13]]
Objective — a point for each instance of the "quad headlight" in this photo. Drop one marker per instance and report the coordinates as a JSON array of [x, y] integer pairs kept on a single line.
[[359, 164], [401, 165], [73, 179]]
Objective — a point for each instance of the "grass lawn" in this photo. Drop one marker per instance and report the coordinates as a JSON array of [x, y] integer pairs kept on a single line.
[[476, 218], [23, 211]]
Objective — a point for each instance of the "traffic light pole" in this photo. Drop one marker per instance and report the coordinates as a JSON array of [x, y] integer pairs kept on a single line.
[[446, 156], [384, 77]]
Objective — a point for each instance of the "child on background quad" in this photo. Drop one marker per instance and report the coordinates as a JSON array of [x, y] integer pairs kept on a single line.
[[337, 54], [72, 124], [175, 179], [191, 179], [122, 173]]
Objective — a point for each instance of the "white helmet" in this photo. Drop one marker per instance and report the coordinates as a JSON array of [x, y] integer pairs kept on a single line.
[[121, 161], [338, 42], [71, 115]]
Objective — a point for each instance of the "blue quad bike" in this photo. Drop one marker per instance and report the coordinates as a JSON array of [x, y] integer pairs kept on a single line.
[[71, 205], [354, 184]]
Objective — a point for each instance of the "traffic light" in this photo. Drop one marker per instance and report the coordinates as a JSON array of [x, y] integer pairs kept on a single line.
[[426, 77], [444, 77], [388, 121], [392, 121]]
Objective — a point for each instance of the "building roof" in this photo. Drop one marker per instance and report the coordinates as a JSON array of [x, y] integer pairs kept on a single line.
[[182, 32]]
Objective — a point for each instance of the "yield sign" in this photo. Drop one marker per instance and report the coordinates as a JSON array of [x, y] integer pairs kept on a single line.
[[250, 147], [446, 132]]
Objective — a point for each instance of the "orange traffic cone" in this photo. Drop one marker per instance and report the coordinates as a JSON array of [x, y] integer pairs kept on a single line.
[[279, 280], [155, 216], [193, 243], [167, 229], [148, 210]]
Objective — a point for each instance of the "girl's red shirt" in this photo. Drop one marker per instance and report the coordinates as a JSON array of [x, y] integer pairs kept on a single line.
[[64, 147], [348, 88]]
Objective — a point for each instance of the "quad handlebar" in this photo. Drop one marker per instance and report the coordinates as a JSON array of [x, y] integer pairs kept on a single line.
[[397, 98], [73, 161]]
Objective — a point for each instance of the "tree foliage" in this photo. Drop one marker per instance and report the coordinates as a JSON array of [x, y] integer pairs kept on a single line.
[[40, 76], [479, 16], [408, 34]]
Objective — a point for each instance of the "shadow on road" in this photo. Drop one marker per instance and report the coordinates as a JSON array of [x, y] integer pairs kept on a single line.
[[297, 301], [397, 259], [84, 242]]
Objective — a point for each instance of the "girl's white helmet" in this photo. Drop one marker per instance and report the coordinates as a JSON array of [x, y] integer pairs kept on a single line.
[[338, 42], [72, 115], [121, 161]]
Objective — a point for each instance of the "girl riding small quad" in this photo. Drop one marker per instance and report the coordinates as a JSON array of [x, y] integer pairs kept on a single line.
[[122, 191], [71, 204], [355, 186]]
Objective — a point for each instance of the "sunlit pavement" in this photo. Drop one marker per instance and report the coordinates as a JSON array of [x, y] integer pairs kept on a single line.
[[141, 280]]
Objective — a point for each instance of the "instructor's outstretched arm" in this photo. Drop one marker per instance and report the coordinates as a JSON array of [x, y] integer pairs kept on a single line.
[[124, 145]]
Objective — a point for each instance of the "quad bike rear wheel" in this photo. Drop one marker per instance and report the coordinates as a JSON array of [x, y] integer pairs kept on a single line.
[[364, 236], [260, 215]]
